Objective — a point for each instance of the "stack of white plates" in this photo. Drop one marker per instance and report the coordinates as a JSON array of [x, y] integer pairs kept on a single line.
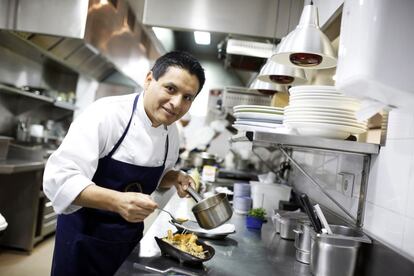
[[322, 111], [257, 117]]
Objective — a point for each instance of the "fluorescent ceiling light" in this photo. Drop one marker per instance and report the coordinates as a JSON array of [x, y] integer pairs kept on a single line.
[[202, 38]]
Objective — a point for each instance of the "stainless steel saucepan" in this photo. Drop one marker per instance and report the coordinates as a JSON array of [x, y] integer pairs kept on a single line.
[[211, 212]]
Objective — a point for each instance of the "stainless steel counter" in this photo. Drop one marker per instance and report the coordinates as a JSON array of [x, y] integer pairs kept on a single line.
[[247, 252], [15, 165]]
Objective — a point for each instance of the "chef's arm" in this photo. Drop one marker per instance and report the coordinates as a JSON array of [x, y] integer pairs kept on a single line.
[[134, 207], [179, 179]]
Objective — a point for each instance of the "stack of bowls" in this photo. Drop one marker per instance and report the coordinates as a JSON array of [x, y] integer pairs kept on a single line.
[[322, 111], [242, 202]]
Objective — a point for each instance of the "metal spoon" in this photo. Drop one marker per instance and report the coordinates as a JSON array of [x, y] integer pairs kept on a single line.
[[176, 220]]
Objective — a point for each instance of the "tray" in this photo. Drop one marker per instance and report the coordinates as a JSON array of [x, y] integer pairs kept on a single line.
[[193, 227], [183, 257]]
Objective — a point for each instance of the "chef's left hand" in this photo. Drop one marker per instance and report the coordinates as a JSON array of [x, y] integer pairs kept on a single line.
[[180, 180]]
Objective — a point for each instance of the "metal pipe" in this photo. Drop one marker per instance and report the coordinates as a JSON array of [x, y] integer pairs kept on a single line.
[[314, 182]]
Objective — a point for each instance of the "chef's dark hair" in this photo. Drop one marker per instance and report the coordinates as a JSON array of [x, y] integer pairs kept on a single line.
[[182, 60]]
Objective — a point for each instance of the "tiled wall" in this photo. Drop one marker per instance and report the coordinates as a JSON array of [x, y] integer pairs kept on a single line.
[[389, 213], [389, 206]]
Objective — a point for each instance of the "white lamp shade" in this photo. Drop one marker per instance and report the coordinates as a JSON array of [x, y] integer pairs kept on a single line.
[[281, 74], [268, 88], [307, 41]]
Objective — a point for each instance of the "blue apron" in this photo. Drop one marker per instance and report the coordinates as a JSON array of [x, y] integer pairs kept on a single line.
[[96, 242]]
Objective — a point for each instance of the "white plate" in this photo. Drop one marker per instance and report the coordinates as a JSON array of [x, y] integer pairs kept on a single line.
[[256, 106], [254, 115], [255, 110], [262, 124], [314, 88], [322, 115], [327, 121], [348, 105], [282, 129], [317, 129], [319, 109], [326, 118]]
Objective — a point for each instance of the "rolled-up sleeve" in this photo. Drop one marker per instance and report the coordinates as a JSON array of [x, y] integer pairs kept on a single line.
[[71, 167]]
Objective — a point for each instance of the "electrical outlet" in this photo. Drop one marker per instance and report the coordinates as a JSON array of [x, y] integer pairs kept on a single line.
[[347, 183]]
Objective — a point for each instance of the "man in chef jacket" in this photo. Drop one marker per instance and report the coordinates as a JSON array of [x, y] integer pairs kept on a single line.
[[116, 153]]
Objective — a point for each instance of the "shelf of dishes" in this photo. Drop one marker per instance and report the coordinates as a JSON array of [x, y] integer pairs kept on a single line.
[[54, 102], [295, 141]]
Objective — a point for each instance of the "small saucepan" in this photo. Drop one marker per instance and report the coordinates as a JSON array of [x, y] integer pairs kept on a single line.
[[211, 212]]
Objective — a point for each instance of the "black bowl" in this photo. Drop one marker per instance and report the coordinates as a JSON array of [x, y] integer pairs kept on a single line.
[[183, 257]]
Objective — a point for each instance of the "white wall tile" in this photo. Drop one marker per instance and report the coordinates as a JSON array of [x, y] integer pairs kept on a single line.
[[400, 125], [408, 238], [390, 175], [385, 225], [409, 208]]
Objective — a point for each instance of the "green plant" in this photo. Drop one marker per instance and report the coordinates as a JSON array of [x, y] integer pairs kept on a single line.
[[258, 213]]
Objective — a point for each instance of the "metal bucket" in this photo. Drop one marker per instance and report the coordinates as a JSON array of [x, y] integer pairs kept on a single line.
[[303, 241]]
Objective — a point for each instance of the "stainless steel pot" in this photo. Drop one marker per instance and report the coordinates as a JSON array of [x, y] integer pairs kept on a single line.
[[303, 241], [336, 254], [211, 212], [288, 223], [204, 158]]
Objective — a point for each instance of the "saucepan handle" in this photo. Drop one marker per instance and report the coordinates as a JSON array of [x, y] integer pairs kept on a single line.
[[194, 194]]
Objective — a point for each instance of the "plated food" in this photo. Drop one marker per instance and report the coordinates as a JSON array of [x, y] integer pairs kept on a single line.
[[185, 247]]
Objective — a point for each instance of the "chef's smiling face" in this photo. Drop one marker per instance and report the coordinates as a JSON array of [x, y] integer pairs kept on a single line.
[[167, 99]]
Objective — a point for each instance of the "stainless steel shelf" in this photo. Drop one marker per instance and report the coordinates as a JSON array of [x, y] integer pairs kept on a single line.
[[306, 142], [15, 91]]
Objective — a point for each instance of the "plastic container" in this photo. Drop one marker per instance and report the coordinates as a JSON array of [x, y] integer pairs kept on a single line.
[[268, 195], [253, 222]]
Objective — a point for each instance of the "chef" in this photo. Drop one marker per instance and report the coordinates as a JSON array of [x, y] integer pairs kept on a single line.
[[116, 153]]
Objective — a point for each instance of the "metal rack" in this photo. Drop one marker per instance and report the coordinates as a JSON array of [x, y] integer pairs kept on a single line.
[[285, 143]]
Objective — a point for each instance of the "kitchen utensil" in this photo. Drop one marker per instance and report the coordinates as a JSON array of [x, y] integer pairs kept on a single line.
[[322, 219], [181, 256], [303, 241], [168, 271], [311, 213], [336, 254], [175, 220], [212, 211], [288, 223], [220, 232]]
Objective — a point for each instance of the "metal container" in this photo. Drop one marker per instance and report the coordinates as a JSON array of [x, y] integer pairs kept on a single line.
[[288, 223], [212, 211], [202, 159], [303, 241], [336, 254]]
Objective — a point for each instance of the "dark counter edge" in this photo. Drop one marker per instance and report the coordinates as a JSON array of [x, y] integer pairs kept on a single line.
[[10, 166]]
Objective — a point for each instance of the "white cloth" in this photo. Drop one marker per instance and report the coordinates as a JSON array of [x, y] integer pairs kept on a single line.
[[92, 135]]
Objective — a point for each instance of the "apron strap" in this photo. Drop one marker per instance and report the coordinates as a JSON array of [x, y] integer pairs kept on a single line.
[[166, 150], [126, 129]]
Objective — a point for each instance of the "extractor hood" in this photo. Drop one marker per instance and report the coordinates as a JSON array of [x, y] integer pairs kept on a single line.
[[96, 38]]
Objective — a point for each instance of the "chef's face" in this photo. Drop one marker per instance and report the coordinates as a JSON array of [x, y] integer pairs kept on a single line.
[[167, 99]]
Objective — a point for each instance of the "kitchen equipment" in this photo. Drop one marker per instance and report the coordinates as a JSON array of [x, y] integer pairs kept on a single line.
[[22, 133], [212, 211], [183, 257], [276, 219], [202, 159], [376, 66], [303, 241], [336, 254], [218, 233], [173, 219], [36, 133], [311, 213], [288, 223], [4, 146], [268, 195], [322, 218], [168, 271]]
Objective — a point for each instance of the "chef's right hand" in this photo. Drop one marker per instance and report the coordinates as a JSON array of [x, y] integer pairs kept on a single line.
[[135, 207]]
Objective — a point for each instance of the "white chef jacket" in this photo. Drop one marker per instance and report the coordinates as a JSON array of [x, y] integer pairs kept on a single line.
[[92, 135]]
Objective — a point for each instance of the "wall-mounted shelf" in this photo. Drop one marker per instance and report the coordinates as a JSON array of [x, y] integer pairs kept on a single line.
[[306, 142], [15, 91], [284, 143]]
